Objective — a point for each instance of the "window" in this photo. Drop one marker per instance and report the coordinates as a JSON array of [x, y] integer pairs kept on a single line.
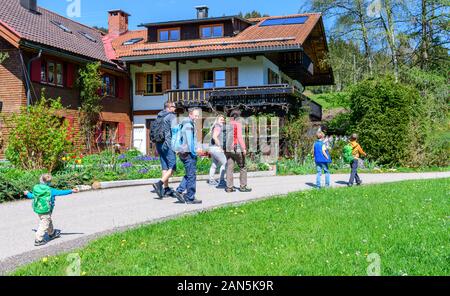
[[133, 41], [61, 26], [214, 78], [273, 78], [109, 132], [154, 83], [165, 35], [52, 73], [211, 31], [87, 36], [285, 21], [109, 86]]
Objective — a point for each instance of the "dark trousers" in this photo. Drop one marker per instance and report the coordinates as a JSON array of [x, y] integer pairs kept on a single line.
[[239, 158], [354, 174], [188, 183]]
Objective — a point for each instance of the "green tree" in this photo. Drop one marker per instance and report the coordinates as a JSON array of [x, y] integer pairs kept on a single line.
[[89, 81], [38, 136], [3, 56]]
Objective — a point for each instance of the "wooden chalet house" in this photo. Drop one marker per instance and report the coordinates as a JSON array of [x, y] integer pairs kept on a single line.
[[219, 63]]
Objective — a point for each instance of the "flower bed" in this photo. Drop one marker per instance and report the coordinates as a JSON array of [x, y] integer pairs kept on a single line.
[[106, 166]]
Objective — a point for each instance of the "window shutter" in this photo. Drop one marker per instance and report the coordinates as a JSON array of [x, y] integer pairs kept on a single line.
[[232, 76], [167, 80], [141, 82], [70, 75], [121, 133], [36, 70], [120, 87], [195, 79]]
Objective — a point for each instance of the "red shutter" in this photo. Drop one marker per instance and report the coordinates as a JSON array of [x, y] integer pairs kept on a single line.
[[35, 71], [121, 133], [120, 88], [70, 75], [70, 121]]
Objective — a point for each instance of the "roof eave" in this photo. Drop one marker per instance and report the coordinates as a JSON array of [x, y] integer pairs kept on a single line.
[[210, 54]]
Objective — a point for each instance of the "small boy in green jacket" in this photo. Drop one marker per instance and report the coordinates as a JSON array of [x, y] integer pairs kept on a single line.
[[43, 197]]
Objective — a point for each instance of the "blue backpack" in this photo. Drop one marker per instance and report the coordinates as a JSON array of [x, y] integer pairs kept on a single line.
[[178, 142]]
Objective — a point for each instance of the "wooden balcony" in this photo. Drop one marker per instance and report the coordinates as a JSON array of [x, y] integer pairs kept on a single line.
[[252, 96]]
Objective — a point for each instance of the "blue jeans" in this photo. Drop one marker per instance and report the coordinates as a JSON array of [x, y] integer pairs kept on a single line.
[[188, 183], [319, 167]]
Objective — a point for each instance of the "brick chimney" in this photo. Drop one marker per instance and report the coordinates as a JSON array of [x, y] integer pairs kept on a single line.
[[117, 22], [30, 5]]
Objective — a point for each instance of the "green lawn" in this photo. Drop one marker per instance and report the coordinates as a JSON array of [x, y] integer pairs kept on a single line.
[[326, 232]]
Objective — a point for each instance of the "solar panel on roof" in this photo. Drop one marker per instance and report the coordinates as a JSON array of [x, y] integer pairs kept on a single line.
[[285, 21]]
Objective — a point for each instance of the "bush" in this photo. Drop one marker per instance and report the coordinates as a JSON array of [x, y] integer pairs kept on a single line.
[[38, 136], [14, 181], [390, 119]]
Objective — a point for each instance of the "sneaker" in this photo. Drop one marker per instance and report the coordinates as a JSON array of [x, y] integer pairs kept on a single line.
[[179, 196], [159, 188], [213, 182], [168, 192], [56, 234], [39, 243], [193, 202], [245, 189], [349, 185], [230, 189], [359, 183]]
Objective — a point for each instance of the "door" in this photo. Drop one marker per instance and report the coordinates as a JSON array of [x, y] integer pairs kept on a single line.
[[139, 132], [151, 147]]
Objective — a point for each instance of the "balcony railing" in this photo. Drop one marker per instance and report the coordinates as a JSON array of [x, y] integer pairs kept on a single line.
[[204, 95], [249, 95]]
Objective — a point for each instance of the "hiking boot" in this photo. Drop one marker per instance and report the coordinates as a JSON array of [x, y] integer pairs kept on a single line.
[[168, 192], [230, 189], [39, 243], [213, 182], [158, 186], [245, 189], [179, 196], [222, 185], [56, 234], [193, 202]]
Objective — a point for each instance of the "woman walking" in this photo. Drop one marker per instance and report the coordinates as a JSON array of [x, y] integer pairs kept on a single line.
[[217, 154]]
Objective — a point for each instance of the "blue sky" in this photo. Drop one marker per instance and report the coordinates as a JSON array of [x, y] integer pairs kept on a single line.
[[93, 12]]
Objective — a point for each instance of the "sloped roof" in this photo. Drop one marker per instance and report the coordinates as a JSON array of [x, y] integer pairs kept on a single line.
[[254, 37], [38, 28]]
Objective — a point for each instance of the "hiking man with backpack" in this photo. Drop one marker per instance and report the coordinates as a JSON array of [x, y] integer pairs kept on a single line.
[[352, 153], [235, 151], [184, 142], [161, 134]]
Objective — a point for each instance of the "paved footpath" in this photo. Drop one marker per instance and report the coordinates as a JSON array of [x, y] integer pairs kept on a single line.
[[88, 215]]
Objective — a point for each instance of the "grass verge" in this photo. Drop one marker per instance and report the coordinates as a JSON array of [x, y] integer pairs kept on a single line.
[[316, 232]]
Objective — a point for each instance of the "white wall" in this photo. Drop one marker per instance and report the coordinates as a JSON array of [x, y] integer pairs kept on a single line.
[[252, 72]]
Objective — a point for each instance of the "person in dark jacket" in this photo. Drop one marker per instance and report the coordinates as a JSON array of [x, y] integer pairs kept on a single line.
[[167, 156]]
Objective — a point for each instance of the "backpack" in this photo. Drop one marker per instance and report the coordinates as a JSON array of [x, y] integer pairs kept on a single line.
[[347, 153], [157, 134], [178, 143], [42, 196], [230, 138]]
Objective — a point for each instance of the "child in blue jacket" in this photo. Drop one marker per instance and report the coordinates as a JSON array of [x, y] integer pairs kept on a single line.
[[322, 158], [43, 197]]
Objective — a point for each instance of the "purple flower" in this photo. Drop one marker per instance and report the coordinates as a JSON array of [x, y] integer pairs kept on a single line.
[[122, 156], [126, 165], [143, 171]]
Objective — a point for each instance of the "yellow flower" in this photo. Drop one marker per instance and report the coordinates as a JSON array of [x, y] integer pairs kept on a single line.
[[44, 260], [64, 159], [83, 273], [78, 161]]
